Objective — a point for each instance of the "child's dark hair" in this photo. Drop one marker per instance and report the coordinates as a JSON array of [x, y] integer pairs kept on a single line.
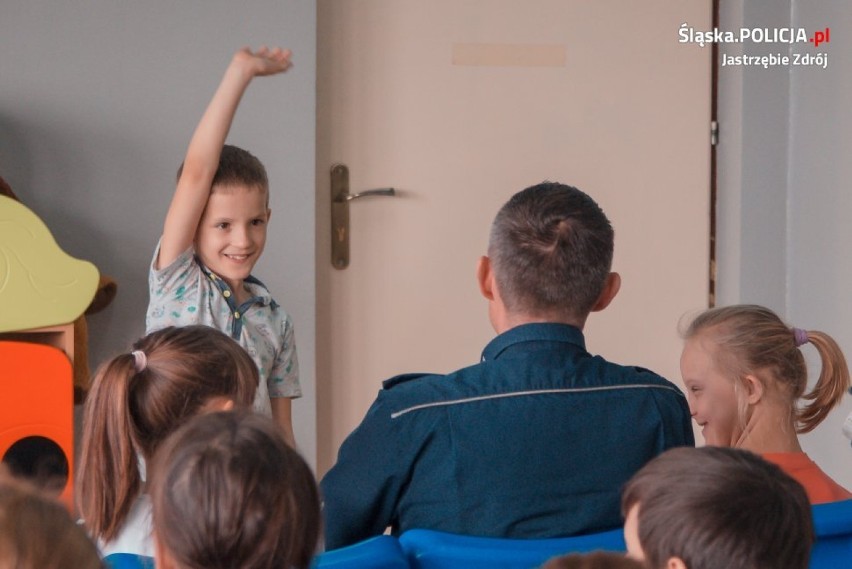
[[37, 532], [720, 507], [137, 399], [752, 339], [238, 167], [227, 491], [551, 247], [594, 560]]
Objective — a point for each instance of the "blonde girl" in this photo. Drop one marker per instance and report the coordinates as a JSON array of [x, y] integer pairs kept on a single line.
[[746, 383]]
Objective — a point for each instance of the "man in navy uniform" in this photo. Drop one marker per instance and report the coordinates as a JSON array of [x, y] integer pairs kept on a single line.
[[537, 439]]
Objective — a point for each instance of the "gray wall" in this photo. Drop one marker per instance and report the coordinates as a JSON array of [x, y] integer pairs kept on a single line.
[[98, 99], [784, 202]]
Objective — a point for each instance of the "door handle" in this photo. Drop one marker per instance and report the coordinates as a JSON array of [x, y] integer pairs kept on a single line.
[[378, 192], [340, 198]]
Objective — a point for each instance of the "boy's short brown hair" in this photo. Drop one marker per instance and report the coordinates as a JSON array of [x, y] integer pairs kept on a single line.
[[227, 491], [594, 560], [720, 507], [238, 167], [37, 532]]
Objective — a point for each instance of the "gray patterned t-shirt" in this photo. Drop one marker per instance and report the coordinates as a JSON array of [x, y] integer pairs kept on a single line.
[[184, 293]]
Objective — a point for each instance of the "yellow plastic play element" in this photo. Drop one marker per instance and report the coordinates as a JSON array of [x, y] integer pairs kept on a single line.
[[40, 284]]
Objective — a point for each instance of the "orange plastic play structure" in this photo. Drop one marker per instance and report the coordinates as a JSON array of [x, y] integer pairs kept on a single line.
[[43, 295], [36, 412]]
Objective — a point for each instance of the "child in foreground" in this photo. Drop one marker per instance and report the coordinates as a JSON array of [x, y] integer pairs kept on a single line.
[[712, 507], [229, 492], [137, 399], [745, 375], [37, 532], [594, 560], [214, 233]]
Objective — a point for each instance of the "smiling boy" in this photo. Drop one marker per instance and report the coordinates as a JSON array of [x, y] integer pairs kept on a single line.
[[214, 233]]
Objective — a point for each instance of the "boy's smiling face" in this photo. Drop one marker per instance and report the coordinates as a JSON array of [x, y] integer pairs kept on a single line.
[[232, 233]]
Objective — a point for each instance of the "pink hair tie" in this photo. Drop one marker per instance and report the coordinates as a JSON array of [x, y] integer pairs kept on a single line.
[[800, 337], [141, 360]]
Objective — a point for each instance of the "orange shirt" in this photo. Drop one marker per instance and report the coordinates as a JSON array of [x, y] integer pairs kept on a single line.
[[818, 485]]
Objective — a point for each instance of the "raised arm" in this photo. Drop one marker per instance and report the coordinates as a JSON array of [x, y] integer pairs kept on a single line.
[[202, 156]]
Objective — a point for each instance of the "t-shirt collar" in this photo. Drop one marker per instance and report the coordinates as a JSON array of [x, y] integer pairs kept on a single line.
[[259, 293]]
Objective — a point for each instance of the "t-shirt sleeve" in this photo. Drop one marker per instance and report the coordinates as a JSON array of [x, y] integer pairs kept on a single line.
[[172, 290], [283, 379]]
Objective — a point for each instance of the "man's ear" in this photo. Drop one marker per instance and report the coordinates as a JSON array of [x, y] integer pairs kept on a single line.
[[753, 389], [675, 563], [485, 277], [268, 214], [610, 289]]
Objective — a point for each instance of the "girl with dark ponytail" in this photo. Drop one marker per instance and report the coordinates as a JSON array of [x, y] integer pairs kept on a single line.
[[137, 399]]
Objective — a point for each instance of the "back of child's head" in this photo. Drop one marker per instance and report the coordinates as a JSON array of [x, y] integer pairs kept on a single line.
[[551, 248], [140, 397], [750, 339], [719, 507], [595, 560], [238, 168], [227, 491], [37, 532]]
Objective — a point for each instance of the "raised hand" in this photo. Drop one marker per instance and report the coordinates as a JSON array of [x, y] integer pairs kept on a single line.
[[264, 61]]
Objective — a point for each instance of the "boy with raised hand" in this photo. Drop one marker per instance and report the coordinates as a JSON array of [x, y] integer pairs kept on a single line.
[[214, 233]]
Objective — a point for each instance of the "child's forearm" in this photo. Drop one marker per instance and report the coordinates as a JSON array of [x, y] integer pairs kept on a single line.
[[205, 147], [283, 416], [202, 156], [200, 164]]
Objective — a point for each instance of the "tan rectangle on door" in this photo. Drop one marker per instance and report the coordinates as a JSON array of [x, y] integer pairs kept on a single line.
[[508, 55]]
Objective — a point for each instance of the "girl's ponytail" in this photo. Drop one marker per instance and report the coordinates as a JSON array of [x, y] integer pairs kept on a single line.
[[832, 384], [109, 480], [140, 398]]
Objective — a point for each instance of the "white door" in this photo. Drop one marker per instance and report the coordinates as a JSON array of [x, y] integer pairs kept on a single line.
[[458, 105]]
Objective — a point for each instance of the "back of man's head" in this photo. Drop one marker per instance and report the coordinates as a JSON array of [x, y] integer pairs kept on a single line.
[[718, 507], [551, 249]]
